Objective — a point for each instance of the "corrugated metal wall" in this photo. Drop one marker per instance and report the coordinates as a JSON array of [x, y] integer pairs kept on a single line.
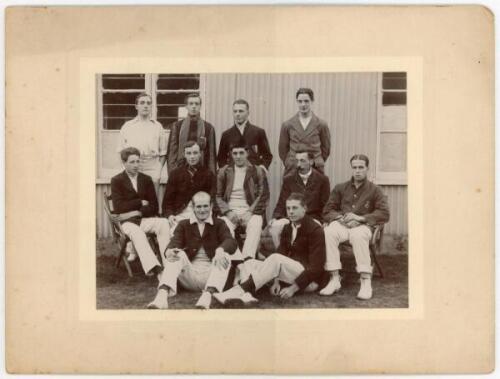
[[346, 101]]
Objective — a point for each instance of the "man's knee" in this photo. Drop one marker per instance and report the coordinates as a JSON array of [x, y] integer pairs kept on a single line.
[[255, 221], [360, 234], [334, 230]]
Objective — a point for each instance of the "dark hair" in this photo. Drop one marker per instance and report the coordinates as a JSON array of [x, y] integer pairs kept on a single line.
[[241, 101], [306, 91], [191, 144], [310, 154], [239, 144], [127, 152], [299, 197], [189, 95], [142, 94], [360, 157]]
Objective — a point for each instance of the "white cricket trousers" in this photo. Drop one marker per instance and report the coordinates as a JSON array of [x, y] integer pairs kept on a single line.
[[137, 234], [253, 231], [276, 266], [193, 276], [358, 237]]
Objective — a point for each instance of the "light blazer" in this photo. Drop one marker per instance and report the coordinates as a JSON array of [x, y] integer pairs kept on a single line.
[[126, 199], [315, 138]]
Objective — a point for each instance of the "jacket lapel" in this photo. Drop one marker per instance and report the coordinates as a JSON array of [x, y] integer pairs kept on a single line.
[[128, 182], [312, 126]]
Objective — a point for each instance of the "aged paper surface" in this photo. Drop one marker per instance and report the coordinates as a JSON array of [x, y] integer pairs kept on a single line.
[[52, 56]]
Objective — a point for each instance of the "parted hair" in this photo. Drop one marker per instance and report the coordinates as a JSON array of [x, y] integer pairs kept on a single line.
[[299, 197], [306, 91], [360, 157]]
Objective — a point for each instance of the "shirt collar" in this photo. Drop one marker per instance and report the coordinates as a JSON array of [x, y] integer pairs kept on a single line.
[[131, 177], [137, 119], [306, 176], [362, 183], [242, 126], [193, 220]]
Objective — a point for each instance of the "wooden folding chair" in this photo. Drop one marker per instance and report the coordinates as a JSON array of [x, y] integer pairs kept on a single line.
[[119, 236], [375, 247]]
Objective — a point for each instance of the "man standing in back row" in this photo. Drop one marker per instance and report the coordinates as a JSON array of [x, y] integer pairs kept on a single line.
[[304, 131], [253, 137], [192, 128]]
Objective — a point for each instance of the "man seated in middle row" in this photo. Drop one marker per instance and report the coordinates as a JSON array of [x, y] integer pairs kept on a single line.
[[298, 263], [306, 180], [198, 256], [184, 181], [242, 197]]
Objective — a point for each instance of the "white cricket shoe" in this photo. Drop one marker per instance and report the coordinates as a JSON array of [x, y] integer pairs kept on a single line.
[[365, 289], [160, 301], [235, 295], [332, 286]]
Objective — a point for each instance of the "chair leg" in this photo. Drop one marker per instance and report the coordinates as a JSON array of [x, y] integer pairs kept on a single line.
[[377, 264], [121, 254], [127, 265]]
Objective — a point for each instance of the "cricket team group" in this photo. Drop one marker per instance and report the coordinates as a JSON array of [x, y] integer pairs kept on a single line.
[[204, 209]]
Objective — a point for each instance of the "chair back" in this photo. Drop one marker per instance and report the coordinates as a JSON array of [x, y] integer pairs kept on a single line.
[[113, 218]]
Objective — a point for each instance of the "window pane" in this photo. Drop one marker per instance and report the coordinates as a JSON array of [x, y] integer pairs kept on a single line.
[[119, 111], [394, 83], [394, 75], [394, 98], [127, 98], [178, 82], [114, 123], [174, 98], [167, 121], [123, 81], [393, 152]]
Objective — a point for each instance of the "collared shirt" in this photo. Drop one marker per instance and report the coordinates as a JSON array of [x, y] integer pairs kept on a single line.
[[305, 177], [145, 135], [133, 179], [242, 127], [201, 224], [304, 121], [295, 229]]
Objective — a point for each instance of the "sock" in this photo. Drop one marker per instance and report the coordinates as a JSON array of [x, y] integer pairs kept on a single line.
[[248, 285]]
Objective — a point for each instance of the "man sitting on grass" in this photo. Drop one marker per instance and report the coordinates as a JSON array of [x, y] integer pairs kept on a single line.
[[199, 256], [299, 262]]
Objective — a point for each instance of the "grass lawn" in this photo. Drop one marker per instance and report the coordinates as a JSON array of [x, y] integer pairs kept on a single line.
[[115, 290]]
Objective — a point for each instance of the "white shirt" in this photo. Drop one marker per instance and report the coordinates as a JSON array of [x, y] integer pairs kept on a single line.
[[201, 224], [237, 201], [133, 179], [304, 121], [305, 177], [295, 229], [145, 135], [242, 127]]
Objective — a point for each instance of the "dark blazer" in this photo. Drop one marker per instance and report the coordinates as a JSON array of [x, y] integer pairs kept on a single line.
[[255, 138], [308, 248], [187, 237], [255, 186], [316, 193], [181, 187], [176, 157], [126, 199]]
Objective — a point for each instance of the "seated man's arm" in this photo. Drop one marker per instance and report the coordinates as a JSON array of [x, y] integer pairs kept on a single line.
[[380, 213], [280, 210], [221, 189], [317, 258], [331, 211], [259, 206], [121, 203], [167, 203], [151, 208], [224, 238]]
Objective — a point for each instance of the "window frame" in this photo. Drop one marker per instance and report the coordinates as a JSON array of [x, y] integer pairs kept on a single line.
[[103, 175], [388, 177]]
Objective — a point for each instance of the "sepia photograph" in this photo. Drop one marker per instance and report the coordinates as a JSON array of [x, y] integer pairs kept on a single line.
[[251, 190]]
